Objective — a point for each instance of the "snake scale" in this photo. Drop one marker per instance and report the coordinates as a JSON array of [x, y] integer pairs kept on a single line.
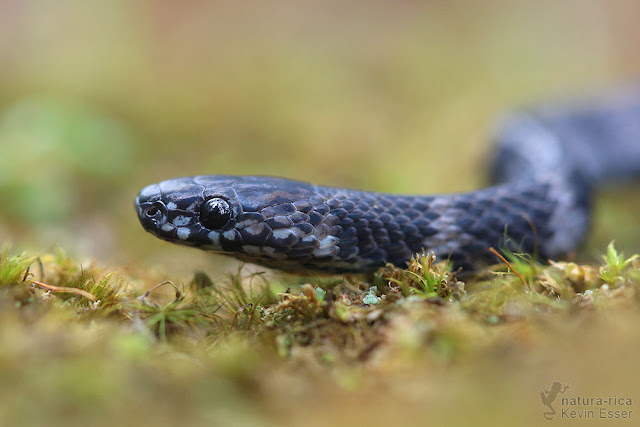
[[547, 161]]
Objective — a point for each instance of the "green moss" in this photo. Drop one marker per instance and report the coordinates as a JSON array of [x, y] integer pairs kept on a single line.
[[240, 337], [14, 269]]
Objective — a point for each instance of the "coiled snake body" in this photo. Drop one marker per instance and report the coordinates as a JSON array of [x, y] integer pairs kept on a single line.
[[546, 164]]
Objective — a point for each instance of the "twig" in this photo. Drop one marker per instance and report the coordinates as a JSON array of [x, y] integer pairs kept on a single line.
[[503, 259], [76, 291], [143, 298]]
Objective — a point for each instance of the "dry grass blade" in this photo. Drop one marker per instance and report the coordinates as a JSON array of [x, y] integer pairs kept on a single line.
[[504, 260], [76, 291]]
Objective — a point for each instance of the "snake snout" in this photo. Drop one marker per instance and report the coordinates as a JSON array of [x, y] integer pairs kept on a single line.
[[151, 210], [152, 214]]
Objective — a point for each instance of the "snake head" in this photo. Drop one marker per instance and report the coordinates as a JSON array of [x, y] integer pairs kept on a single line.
[[169, 210], [270, 221]]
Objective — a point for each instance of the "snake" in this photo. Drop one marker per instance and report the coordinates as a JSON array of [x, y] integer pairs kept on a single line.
[[547, 161]]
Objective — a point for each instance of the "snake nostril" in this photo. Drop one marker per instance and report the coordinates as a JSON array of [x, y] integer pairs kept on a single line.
[[154, 213]]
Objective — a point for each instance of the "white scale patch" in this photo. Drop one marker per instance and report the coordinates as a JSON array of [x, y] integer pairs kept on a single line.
[[326, 247], [192, 207], [181, 220], [183, 233], [149, 191], [214, 236], [229, 235], [246, 223], [328, 241], [282, 233], [309, 239], [167, 227], [254, 229], [172, 206]]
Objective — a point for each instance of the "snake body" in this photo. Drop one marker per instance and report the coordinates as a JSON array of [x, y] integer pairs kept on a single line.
[[547, 161]]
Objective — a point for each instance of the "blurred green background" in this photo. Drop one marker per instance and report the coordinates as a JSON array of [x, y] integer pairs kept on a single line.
[[98, 99]]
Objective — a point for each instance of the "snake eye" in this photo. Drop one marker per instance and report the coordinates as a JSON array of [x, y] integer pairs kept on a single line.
[[215, 213]]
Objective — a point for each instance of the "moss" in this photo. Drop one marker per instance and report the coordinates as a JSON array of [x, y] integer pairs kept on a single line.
[[242, 338]]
